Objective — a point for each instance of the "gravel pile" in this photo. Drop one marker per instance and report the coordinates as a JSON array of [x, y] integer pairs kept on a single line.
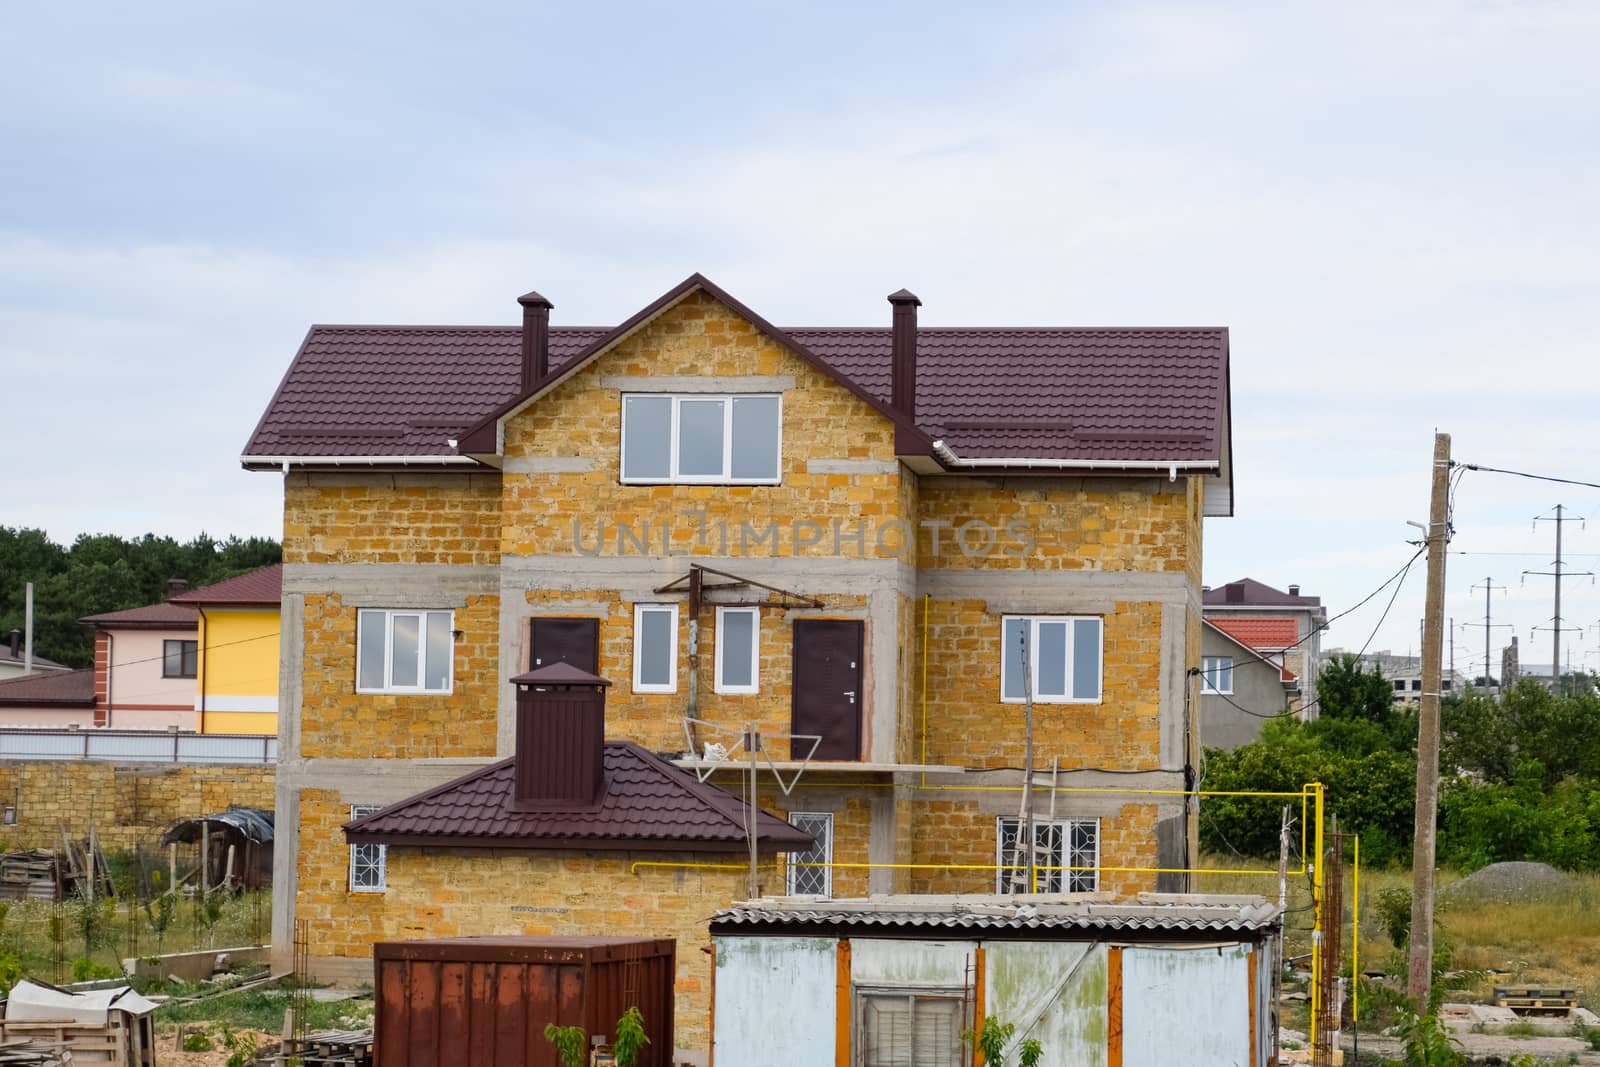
[[1512, 882]]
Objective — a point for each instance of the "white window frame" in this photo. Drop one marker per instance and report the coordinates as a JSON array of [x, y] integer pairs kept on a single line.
[[726, 477], [1071, 621], [639, 611], [1210, 666], [421, 614], [717, 684], [1092, 878], [382, 863], [825, 819]]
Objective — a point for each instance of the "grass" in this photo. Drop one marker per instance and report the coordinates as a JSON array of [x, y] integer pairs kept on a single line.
[[259, 1008], [1552, 942]]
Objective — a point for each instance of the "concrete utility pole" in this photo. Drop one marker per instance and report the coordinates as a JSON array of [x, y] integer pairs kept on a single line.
[[1488, 588], [27, 631], [1558, 518], [1420, 969]]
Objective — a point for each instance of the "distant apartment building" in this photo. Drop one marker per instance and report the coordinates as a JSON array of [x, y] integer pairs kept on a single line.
[[1405, 674]]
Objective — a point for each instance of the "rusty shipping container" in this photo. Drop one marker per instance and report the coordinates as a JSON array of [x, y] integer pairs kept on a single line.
[[472, 1000]]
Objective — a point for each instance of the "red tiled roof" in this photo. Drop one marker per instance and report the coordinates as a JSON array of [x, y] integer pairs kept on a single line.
[[1249, 593], [1261, 634], [1116, 395], [648, 803], [166, 616], [71, 689], [258, 587]]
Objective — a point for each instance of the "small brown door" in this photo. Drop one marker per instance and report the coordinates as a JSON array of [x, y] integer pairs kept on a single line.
[[827, 686], [574, 641]]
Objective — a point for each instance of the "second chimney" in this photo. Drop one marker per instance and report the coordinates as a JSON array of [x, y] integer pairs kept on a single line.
[[177, 587], [1294, 590], [535, 340], [561, 739], [903, 365]]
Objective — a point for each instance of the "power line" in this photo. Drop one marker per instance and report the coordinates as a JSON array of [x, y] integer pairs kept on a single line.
[[1524, 474]]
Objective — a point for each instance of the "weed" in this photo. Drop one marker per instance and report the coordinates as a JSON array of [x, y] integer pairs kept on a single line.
[[570, 1043], [196, 1042], [631, 1038]]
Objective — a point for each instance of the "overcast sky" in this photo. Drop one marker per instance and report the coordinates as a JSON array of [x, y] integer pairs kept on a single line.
[[1392, 206]]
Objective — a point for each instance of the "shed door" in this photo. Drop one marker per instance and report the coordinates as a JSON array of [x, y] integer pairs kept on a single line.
[[571, 641], [827, 686]]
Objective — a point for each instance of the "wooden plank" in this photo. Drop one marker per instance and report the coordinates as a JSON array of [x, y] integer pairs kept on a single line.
[[841, 992], [980, 1000], [1250, 992], [1114, 1007]]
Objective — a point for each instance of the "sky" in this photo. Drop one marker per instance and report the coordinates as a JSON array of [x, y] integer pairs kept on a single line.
[[1392, 207]]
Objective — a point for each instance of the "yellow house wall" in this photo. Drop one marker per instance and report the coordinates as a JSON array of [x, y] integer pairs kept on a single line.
[[239, 665]]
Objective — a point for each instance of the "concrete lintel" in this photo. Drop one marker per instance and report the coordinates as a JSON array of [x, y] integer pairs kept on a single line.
[[809, 575], [852, 466], [678, 383], [548, 464], [1035, 590], [373, 781], [394, 585]]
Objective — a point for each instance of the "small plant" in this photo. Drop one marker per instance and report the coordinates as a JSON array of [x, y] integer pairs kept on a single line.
[[1394, 912], [161, 912], [196, 1042], [241, 1046], [85, 969], [10, 973], [631, 1038], [1428, 1043], [570, 1042], [1591, 1034], [992, 1039]]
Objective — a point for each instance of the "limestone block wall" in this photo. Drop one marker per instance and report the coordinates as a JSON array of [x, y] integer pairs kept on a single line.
[[391, 518], [129, 804]]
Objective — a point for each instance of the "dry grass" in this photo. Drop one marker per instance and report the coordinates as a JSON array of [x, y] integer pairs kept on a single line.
[[1547, 942]]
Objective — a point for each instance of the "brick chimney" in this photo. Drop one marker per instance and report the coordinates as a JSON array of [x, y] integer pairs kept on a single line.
[[535, 339], [177, 587], [903, 365], [561, 739], [1294, 590]]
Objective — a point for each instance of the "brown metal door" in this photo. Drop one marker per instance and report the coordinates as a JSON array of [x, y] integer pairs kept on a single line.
[[827, 686], [573, 641]]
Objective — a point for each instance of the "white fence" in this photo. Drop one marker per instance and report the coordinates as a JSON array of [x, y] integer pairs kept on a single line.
[[137, 746]]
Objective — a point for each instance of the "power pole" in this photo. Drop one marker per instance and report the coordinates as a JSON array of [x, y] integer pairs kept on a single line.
[[1558, 518], [1488, 588], [1420, 969]]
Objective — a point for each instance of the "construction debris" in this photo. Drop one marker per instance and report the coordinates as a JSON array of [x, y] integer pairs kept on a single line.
[[44, 1025], [47, 874], [328, 1048]]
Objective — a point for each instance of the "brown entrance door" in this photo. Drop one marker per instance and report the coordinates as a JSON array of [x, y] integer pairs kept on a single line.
[[574, 641], [827, 686]]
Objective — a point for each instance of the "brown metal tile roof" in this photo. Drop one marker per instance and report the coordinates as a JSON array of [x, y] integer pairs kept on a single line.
[[69, 689], [166, 616], [263, 586], [648, 804], [1247, 592], [39, 662], [1103, 395]]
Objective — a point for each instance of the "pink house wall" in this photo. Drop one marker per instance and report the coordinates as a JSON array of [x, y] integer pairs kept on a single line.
[[140, 698]]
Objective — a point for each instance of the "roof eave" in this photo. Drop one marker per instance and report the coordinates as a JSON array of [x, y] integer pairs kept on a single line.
[[288, 463], [765, 846]]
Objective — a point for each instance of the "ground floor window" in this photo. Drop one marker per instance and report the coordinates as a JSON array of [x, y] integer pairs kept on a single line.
[[367, 862], [910, 1028], [1057, 843], [812, 881]]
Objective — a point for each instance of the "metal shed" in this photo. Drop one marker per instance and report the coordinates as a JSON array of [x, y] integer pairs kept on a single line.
[[235, 846], [895, 980], [459, 1000]]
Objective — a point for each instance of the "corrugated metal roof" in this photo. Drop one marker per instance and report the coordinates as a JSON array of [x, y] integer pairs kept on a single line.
[[1173, 914]]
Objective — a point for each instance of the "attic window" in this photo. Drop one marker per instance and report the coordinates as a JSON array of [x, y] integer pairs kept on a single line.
[[700, 438]]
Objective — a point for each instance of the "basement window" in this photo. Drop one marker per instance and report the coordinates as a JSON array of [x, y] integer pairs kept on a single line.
[[180, 659], [404, 651], [699, 438], [1216, 674], [812, 881], [1058, 843], [655, 648], [368, 863], [910, 1028], [1063, 654], [738, 650]]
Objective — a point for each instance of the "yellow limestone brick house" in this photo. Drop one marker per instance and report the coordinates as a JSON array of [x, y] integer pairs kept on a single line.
[[875, 546]]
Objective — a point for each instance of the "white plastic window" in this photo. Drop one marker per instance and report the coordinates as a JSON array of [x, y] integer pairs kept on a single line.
[[700, 438], [1216, 674], [368, 863], [738, 650], [655, 648], [812, 881], [1058, 843], [1064, 657], [404, 651]]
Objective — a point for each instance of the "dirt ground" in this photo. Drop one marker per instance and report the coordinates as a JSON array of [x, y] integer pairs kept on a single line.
[[167, 1051]]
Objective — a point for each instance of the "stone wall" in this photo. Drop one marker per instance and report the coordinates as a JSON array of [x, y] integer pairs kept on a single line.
[[129, 804], [391, 518]]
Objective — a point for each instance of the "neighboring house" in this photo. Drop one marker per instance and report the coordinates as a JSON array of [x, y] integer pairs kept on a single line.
[[1259, 616], [1241, 688], [1405, 674], [13, 659], [146, 662], [886, 539], [237, 665], [48, 699], [204, 660]]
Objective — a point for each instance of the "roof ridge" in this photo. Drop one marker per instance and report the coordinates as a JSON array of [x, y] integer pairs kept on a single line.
[[690, 785]]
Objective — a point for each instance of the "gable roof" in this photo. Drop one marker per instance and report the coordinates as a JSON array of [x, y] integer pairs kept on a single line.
[[1249, 593], [1285, 675], [648, 804], [167, 616], [68, 689], [39, 662], [262, 587], [1069, 397]]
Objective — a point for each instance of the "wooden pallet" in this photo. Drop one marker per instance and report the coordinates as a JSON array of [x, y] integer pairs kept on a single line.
[[1536, 998], [332, 1048]]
